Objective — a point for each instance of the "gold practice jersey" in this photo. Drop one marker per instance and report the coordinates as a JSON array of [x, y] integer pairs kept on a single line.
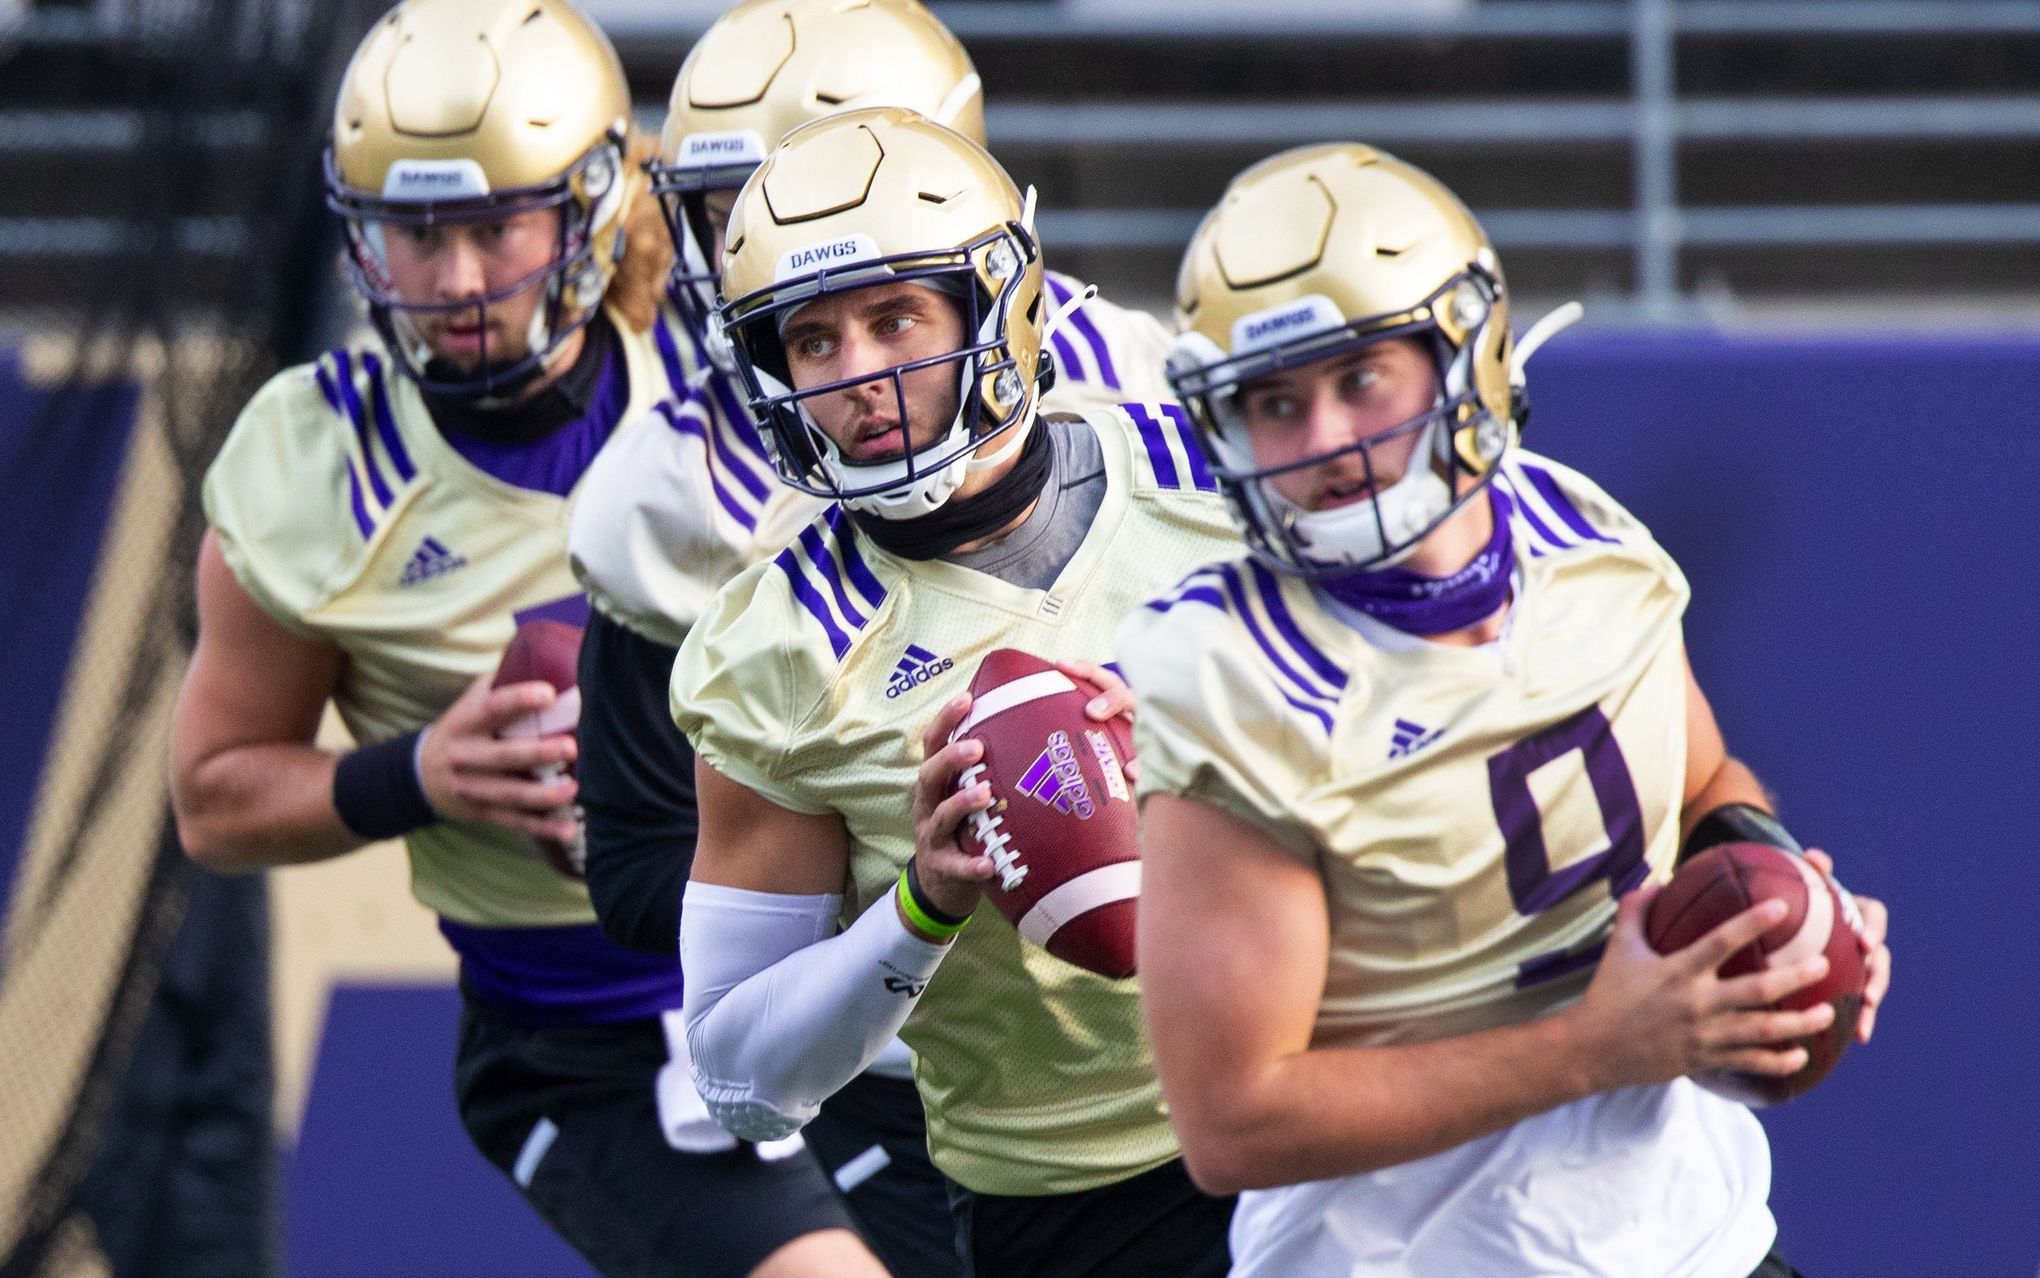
[[1474, 812], [667, 515], [350, 517], [810, 681]]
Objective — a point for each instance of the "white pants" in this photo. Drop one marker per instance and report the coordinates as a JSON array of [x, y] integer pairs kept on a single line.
[[1649, 1182]]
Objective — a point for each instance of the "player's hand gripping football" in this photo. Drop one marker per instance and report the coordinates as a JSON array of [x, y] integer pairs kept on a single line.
[[954, 879], [1650, 1017], [1114, 698], [1875, 925], [470, 775]]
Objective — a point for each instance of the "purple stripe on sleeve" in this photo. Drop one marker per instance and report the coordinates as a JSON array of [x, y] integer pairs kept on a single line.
[[1236, 593], [1547, 486], [1285, 625], [1103, 353], [811, 538], [739, 467], [361, 519], [1066, 357], [326, 387], [669, 354], [687, 424], [694, 343], [344, 368], [1200, 472], [789, 563], [1193, 594], [861, 575], [1157, 446], [1539, 527], [386, 421], [739, 415]]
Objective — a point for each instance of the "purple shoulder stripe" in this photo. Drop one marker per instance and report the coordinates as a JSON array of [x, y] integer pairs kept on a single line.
[[350, 397], [690, 420], [1062, 288], [1505, 501], [861, 576], [1542, 531], [386, 421], [1547, 487], [788, 562], [737, 424], [832, 573], [669, 354], [1299, 691], [1270, 592], [1160, 426], [1199, 586]]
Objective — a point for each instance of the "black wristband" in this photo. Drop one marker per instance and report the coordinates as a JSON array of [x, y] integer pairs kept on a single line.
[[928, 907], [1736, 823], [377, 791]]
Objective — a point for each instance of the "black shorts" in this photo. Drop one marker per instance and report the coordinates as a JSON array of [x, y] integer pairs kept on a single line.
[[873, 1139], [1155, 1225], [603, 1175]]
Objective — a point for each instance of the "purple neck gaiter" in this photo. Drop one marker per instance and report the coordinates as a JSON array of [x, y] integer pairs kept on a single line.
[[1418, 604]]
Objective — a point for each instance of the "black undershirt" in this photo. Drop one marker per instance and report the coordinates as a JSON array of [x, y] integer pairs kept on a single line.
[[636, 769], [526, 421], [636, 773]]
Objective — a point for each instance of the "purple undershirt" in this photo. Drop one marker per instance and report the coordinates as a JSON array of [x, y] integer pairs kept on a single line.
[[1419, 604], [554, 464]]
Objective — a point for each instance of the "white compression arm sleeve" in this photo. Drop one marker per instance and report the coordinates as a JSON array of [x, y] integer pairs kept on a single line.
[[779, 1013]]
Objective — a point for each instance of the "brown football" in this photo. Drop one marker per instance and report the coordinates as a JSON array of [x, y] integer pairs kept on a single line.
[[1727, 879], [1061, 826], [546, 651]]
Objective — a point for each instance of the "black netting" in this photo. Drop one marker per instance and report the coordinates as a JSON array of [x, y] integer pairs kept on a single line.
[[160, 228]]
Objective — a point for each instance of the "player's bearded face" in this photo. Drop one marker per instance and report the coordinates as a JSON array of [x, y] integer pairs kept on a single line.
[[1328, 407], [437, 266], [864, 334]]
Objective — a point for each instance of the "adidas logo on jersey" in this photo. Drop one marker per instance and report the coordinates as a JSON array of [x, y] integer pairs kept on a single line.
[[1057, 779], [1408, 738], [916, 667], [431, 559]]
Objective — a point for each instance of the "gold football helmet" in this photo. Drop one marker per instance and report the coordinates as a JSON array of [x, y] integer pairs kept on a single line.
[[868, 197], [1311, 254], [769, 66], [476, 110]]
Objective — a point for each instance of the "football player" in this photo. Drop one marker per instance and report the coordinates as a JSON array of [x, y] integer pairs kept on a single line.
[[667, 515], [381, 521], [1413, 771], [886, 305]]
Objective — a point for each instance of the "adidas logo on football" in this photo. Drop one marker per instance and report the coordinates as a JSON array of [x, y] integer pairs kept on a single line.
[[1057, 779], [431, 559], [916, 667], [1408, 738]]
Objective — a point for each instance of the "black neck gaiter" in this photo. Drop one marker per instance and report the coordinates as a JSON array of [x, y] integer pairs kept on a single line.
[[957, 522], [525, 420]]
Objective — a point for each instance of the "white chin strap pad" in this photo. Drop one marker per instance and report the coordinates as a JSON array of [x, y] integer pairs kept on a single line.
[[1352, 535]]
